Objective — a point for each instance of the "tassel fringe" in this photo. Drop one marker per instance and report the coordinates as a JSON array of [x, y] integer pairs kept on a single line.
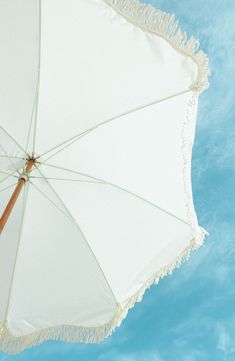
[[78, 334], [165, 25]]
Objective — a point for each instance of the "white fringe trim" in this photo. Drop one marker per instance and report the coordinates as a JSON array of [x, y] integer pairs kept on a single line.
[[165, 25], [187, 136], [77, 334]]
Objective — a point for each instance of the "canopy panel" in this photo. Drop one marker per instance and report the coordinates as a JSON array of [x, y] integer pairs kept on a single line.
[[102, 96], [57, 268], [19, 36], [140, 152], [106, 64]]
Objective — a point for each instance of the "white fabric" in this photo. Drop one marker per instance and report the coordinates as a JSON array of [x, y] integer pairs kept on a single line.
[[121, 69], [55, 271], [19, 25], [103, 105]]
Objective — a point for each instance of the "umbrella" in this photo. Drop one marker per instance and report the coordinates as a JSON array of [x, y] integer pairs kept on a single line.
[[98, 110]]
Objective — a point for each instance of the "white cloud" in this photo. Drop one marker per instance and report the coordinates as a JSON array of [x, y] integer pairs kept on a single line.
[[225, 336], [116, 355]]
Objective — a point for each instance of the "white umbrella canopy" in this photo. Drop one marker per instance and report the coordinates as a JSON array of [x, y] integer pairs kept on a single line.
[[98, 107]]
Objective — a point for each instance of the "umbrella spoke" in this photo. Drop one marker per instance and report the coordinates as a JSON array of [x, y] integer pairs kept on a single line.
[[8, 176], [31, 118], [10, 156], [38, 79], [11, 185], [67, 213], [72, 171], [78, 227], [51, 201], [16, 143], [75, 138], [56, 194], [80, 249], [64, 145], [67, 179], [10, 160], [103, 181]]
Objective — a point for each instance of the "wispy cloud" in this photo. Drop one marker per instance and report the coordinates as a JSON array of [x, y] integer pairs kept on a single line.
[[116, 355], [225, 337]]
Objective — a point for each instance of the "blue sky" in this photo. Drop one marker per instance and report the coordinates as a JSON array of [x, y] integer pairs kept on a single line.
[[189, 316]]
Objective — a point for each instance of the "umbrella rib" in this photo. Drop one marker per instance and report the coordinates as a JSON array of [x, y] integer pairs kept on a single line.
[[54, 204], [18, 145], [10, 156], [74, 171], [76, 137], [8, 176], [10, 160], [67, 179], [145, 200], [31, 119], [80, 230], [38, 79], [103, 181], [11, 185], [65, 146], [18, 246], [35, 102]]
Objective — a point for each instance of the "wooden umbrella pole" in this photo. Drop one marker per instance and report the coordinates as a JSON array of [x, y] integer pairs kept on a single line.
[[15, 195]]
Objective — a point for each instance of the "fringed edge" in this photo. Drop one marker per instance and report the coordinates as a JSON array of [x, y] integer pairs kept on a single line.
[[165, 25], [187, 136], [67, 333], [77, 334], [165, 271], [150, 19]]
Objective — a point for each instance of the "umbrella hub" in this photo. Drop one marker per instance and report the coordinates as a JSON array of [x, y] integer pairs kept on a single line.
[[23, 178]]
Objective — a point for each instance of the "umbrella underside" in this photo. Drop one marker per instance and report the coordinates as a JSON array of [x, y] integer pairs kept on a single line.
[[98, 113]]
